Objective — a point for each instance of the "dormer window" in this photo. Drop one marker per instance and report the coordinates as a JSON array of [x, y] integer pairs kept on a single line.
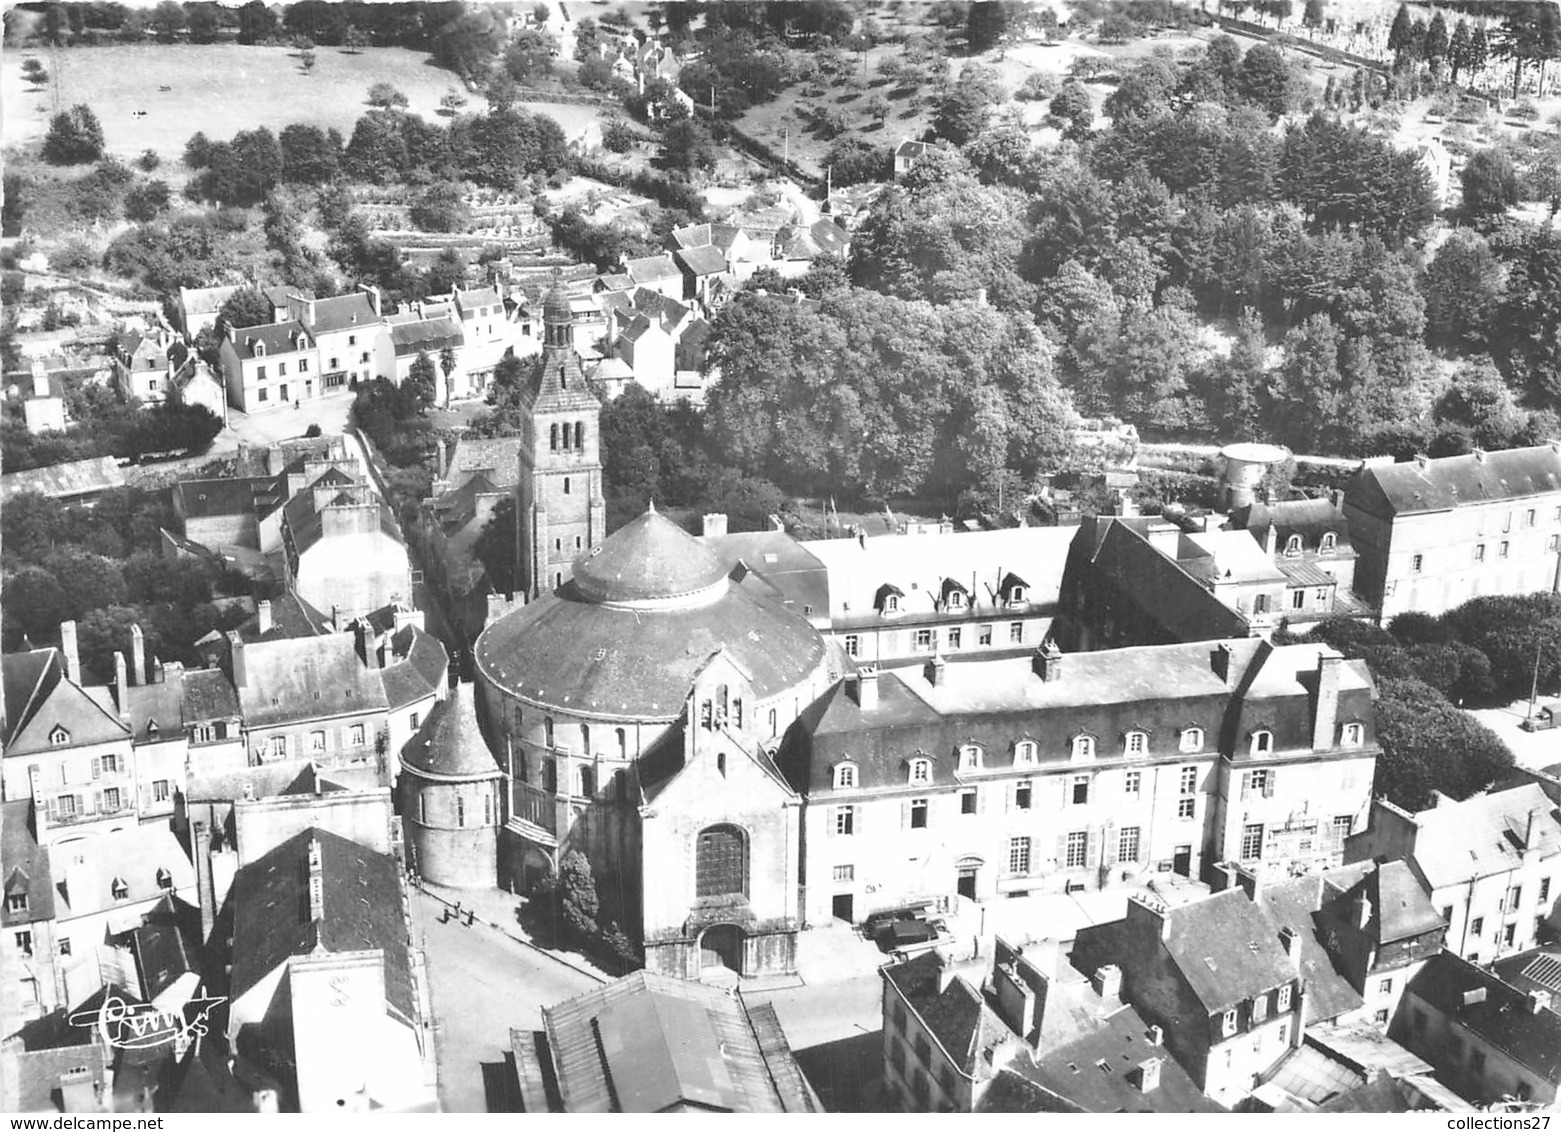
[[1262, 742], [16, 902], [956, 600], [1292, 546], [889, 597], [1228, 1024], [1136, 743], [921, 771], [845, 776], [1329, 542], [260, 349], [58, 737], [1083, 747], [1025, 752], [970, 757], [1259, 1008], [1354, 735], [151, 728], [118, 889], [165, 880], [1284, 1000], [1192, 739]]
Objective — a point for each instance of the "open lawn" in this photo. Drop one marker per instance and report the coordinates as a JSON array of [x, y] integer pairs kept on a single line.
[[223, 88]]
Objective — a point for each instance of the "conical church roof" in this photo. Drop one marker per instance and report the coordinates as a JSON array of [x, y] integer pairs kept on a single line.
[[650, 558]]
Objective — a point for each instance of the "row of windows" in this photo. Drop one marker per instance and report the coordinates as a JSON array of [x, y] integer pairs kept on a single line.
[[583, 783], [561, 435], [1503, 550], [1079, 791], [950, 639], [281, 368], [315, 742], [1258, 1009], [955, 598], [1326, 545]]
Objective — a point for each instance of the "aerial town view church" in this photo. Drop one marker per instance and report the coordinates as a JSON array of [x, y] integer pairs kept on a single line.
[[806, 556]]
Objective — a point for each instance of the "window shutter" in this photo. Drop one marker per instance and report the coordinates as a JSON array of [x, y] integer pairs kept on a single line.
[[831, 816], [53, 807], [1062, 850], [97, 801], [1246, 783], [1008, 795], [905, 815], [97, 768], [1268, 785], [1092, 849], [856, 819], [981, 800], [1111, 842]]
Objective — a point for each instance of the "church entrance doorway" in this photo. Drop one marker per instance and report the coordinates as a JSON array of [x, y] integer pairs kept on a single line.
[[843, 906], [722, 946]]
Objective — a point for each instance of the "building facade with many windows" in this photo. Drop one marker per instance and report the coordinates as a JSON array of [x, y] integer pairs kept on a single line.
[[1431, 534], [1083, 770]]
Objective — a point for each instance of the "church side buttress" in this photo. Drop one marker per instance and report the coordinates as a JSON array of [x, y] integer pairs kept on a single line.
[[562, 509]]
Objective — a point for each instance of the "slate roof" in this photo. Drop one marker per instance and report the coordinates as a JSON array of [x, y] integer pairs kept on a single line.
[[455, 748], [161, 703], [46, 699], [235, 496], [1482, 835], [1095, 1073], [638, 328], [649, 557], [362, 911], [666, 313], [24, 864], [343, 312], [38, 1074], [652, 268], [1400, 906], [276, 337], [706, 259], [497, 457], [204, 300], [613, 282], [639, 664], [267, 780], [85, 869], [786, 569], [1309, 518], [559, 385], [650, 1043], [65, 481], [306, 524], [209, 695], [1226, 949], [203, 1083], [954, 1013], [1180, 604], [1290, 904], [431, 335], [415, 666], [307, 678], [1505, 1017], [1419, 486], [165, 944], [291, 616]]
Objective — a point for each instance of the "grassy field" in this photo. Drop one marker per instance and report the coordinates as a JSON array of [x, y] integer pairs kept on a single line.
[[221, 89]]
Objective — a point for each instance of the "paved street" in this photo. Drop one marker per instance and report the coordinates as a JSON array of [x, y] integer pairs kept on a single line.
[[1532, 749], [271, 425], [482, 984]]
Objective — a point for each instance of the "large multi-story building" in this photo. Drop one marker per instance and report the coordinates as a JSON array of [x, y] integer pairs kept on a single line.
[[1431, 534], [1491, 863], [1079, 771]]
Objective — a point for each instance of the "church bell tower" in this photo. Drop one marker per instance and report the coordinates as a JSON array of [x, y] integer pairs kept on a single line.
[[563, 513]]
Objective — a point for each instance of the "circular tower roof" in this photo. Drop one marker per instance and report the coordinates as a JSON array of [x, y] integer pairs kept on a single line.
[[651, 559], [555, 304], [643, 614]]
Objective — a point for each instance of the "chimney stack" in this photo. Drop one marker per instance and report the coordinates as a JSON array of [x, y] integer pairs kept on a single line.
[[1146, 1075], [240, 671], [1107, 981], [1362, 910], [1531, 829], [1047, 662], [1474, 997], [1538, 1000], [263, 617], [1219, 661], [864, 688], [316, 882], [138, 655], [205, 886], [1325, 711], [1290, 940], [934, 670], [122, 686], [714, 525], [79, 1092], [1156, 1036], [69, 651]]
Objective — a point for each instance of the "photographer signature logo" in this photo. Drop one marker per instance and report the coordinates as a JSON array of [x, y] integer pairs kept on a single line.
[[140, 1025]]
